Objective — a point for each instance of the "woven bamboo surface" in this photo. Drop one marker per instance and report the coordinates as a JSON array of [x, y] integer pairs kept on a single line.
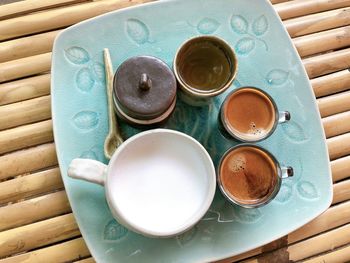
[[36, 221]]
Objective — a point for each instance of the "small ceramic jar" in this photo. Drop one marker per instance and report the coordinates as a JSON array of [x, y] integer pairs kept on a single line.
[[144, 90]]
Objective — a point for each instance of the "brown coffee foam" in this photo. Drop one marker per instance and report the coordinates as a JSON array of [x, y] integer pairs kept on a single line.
[[249, 113], [248, 174]]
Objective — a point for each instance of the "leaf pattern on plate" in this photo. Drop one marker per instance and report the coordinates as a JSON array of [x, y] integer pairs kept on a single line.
[[137, 31], [89, 155], [284, 194], [294, 131], [114, 231], [77, 55], [248, 215], [98, 70], [207, 26], [307, 190], [86, 120], [84, 80], [239, 24], [260, 25], [186, 237], [277, 77], [245, 45]]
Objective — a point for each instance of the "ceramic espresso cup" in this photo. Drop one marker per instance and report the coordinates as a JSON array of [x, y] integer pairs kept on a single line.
[[158, 183], [205, 66], [250, 176], [249, 114]]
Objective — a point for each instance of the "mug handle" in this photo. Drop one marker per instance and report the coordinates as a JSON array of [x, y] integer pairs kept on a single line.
[[283, 116], [287, 172], [88, 170]]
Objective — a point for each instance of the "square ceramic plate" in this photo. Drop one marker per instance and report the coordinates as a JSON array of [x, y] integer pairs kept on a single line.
[[267, 59]]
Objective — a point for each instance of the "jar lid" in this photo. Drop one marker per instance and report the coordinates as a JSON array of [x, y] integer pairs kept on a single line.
[[144, 87]]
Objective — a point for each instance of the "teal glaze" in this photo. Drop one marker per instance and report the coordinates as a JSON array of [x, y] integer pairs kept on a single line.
[[267, 60]]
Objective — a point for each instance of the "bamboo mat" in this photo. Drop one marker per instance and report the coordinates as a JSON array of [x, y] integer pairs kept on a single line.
[[36, 222]]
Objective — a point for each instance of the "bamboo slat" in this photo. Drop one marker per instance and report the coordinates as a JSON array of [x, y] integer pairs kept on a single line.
[[323, 41], [25, 112], [340, 168], [337, 124], [334, 104], [25, 67], [26, 136], [341, 192], [27, 46], [339, 146], [305, 7], [278, 1], [24, 89], [334, 217], [327, 63], [64, 252], [36, 235], [87, 260], [16, 9], [58, 18], [30, 185], [340, 255], [22, 161], [332, 83], [33, 210], [318, 22]]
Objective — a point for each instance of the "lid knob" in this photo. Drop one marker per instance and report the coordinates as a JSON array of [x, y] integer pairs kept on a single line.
[[145, 82]]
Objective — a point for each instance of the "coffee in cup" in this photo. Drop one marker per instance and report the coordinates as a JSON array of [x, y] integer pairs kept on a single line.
[[250, 176], [249, 114]]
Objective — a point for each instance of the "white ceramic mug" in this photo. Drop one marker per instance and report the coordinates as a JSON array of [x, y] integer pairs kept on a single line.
[[158, 183]]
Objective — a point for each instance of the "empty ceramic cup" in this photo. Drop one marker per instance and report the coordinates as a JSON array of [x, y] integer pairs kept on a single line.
[[158, 183]]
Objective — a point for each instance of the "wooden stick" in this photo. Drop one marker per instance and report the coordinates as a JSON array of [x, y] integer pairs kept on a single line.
[[25, 112], [24, 89], [278, 1], [26, 136], [21, 8], [331, 83], [323, 41], [64, 252], [341, 192], [327, 63], [305, 7], [334, 104], [340, 168], [33, 210], [318, 22], [337, 124], [27, 46], [21, 162], [37, 235], [59, 18], [339, 146], [30, 185], [340, 255], [24, 67]]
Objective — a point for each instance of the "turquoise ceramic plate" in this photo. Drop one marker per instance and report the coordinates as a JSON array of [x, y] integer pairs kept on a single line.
[[267, 60]]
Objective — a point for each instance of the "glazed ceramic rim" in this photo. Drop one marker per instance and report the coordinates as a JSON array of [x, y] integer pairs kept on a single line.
[[211, 186], [265, 200], [204, 94], [227, 125]]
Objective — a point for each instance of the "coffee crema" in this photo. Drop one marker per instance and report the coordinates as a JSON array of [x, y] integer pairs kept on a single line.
[[249, 114], [248, 175]]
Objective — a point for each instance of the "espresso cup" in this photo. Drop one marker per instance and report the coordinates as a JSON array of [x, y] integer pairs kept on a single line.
[[205, 66], [249, 114], [158, 183], [250, 176]]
